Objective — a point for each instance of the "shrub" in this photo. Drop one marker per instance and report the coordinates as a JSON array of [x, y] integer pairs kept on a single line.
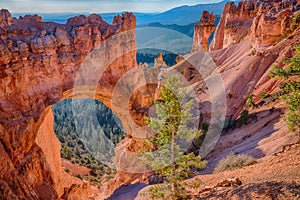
[[262, 95], [230, 95], [282, 37], [253, 52], [295, 22], [78, 176], [232, 161], [250, 101], [244, 118]]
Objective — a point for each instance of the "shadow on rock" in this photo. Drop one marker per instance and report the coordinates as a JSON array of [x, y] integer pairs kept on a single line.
[[127, 192]]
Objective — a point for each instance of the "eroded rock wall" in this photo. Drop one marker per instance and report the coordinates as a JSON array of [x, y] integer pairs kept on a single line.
[[203, 31], [262, 21], [39, 63]]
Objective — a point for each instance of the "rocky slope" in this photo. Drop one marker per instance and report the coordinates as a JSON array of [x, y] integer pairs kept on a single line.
[[245, 71], [266, 136], [262, 180], [242, 43]]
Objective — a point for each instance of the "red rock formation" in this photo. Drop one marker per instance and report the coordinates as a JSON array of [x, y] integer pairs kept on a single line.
[[159, 62], [203, 31], [262, 21], [234, 24], [51, 146], [268, 28], [39, 63], [5, 18]]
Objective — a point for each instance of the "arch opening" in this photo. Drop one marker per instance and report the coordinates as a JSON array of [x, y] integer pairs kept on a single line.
[[88, 131]]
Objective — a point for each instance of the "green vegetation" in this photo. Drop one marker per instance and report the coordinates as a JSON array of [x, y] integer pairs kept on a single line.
[[167, 156], [250, 102], [205, 127], [83, 127], [262, 95], [244, 119], [290, 88], [295, 22], [232, 161]]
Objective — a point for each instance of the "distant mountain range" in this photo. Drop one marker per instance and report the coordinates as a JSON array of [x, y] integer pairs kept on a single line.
[[187, 29], [182, 15]]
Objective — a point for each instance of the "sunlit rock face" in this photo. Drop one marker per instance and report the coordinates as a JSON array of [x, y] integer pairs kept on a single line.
[[42, 63], [271, 23], [261, 21], [234, 24], [159, 62], [203, 31]]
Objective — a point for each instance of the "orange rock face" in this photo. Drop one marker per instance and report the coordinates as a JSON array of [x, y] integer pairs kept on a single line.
[[203, 31], [39, 66], [234, 24], [51, 146], [267, 28], [262, 21]]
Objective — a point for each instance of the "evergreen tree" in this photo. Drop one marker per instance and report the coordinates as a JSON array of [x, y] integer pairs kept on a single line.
[[290, 88], [167, 155]]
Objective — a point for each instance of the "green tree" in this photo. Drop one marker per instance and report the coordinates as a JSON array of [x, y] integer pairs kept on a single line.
[[167, 155], [290, 88], [67, 152]]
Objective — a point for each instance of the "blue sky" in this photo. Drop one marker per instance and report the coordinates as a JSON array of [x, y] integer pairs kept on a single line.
[[98, 6]]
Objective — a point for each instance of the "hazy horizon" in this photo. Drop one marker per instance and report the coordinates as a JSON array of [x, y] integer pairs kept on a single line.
[[96, 6]]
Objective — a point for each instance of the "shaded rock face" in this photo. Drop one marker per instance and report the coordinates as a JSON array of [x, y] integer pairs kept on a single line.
[[262, 21], [42, 63], [203, 31]]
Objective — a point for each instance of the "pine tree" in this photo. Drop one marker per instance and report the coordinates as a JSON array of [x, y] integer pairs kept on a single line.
[[290, 88], [168, 156]]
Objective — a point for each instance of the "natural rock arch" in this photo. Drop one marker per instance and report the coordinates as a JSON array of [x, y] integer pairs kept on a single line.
[[43, 63]]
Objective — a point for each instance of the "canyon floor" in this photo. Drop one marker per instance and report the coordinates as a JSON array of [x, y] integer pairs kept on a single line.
[[272, 177]]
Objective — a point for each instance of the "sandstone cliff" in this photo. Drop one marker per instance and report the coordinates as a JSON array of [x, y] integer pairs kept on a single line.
[[203, 31], [39, 64], [262, 21]]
